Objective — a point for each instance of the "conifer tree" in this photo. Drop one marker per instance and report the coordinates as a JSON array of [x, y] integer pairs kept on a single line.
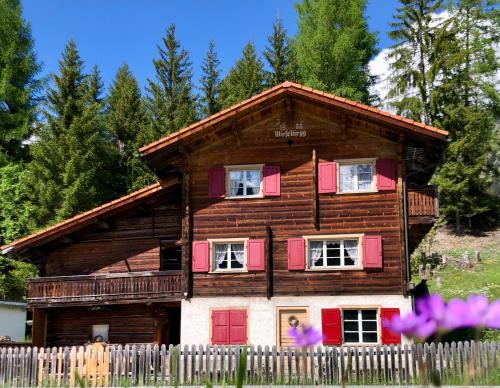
[[413, 57], [171, 102], [126, 118], [245, 79], [333, 47], [465, 103], [73, 165], [278, 55], [210, 81], [18, 82]]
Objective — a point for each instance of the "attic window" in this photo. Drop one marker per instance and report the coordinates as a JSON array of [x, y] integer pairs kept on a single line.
[[244, 181]]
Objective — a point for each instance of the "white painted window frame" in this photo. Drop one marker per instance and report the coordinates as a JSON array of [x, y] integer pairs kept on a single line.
[[360, 330], [241, 168], [334, 237], [213, 263], [356, 162]]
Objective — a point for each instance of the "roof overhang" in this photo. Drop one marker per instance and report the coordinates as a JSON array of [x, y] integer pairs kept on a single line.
[[87, 218]]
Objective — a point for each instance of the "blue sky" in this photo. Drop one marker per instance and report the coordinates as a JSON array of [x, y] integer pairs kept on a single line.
[[111, 32]]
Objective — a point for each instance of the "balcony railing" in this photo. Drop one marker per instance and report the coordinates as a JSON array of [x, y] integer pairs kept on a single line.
[[422, 202], [84, 289]]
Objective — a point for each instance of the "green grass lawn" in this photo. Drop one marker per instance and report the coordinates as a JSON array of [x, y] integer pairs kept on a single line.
[[484, 278]]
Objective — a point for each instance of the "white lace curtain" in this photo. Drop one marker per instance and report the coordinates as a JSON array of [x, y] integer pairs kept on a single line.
[[220, 253], [316, 251], [351, 246]]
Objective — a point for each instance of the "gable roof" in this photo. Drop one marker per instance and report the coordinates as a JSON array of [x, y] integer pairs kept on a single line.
[[86, 218], [294, 89]]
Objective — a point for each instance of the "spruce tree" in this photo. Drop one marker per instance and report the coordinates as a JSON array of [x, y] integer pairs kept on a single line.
[[333, 47], [171, 102], [278, 55], [18, 83], [126, 118], [245, 79], [413, 58], [465, 103], [73, 166], [210, 81]]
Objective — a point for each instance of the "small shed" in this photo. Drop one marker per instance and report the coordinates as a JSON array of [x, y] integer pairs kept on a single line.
[[13, 320]]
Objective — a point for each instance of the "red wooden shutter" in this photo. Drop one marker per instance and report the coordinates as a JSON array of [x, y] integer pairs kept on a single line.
[[296, 254], [272, 181], [220, 327], [216, 182], [201, 256], [237, 327], [388, 336], [327, 177], [331, 326], [256, 255], [372, 251], [386, 174]]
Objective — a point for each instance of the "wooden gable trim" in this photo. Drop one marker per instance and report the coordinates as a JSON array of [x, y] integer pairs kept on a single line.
[[89, 217], [301, 91]]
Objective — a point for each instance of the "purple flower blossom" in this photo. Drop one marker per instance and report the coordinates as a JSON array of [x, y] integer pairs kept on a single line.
[[433, 315], [305, 336]]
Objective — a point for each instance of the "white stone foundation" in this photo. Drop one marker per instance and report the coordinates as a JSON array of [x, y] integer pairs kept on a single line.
[[262, 313]]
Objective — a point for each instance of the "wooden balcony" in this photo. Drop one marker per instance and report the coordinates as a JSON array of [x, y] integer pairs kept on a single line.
[[105, 289], [423, 207]]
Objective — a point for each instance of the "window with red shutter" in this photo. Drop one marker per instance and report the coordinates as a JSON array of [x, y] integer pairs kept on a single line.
[[256, 255], [272, 181], [216, 182], [220, 327], [201, 256], [229, 327], [331, 326], [296, 254], [237, 327], [386, 174], [327, 177], [372, 251], [388, 336]]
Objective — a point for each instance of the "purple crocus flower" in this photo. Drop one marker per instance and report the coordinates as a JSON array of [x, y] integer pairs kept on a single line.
[[305, 336], [433, 315]]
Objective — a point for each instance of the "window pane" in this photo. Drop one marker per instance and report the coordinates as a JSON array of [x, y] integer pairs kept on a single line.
[[316, 253], [347, 173], [351, 337], [351, 314], [237, 255], [333, 253], [364, 176], [236, 182], [220, 256], [351, 326], [369, 337], [370, 326], [350, 252], [253, 182], [369, 314]]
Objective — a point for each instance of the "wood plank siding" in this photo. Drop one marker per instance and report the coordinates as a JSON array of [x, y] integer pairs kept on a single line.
[[292, 214]]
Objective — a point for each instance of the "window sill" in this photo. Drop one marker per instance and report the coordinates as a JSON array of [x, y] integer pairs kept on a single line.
[[334, 269], [356, 192], [245, 197], [228, 271]]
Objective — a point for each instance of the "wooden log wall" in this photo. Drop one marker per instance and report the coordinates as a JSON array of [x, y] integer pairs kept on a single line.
[[130, 243], [467, 363], [135, 323], [293, 214]]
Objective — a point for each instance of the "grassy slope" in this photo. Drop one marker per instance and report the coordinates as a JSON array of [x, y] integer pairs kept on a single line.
[[456, 282]]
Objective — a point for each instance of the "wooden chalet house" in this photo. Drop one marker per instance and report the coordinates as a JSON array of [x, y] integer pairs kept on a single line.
[[294, 206]]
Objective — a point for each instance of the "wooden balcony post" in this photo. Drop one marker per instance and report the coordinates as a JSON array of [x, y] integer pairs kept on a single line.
[[39, 328]]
